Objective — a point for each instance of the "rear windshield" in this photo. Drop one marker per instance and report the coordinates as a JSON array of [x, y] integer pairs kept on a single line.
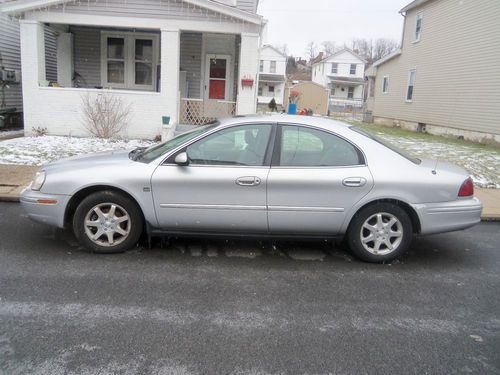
[[387, 144]]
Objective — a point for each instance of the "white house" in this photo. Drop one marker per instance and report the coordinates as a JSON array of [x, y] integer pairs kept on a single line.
[[343, 74], [177, 60], [272, 76]]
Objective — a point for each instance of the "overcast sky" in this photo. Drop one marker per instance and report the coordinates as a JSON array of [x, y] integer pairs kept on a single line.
[[297, 22]]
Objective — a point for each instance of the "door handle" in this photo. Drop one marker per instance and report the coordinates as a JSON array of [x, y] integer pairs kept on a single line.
[[248, 181], [354, 181]]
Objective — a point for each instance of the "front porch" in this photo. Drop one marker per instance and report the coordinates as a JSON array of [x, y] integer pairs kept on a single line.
[[345, 92], [185, 76]]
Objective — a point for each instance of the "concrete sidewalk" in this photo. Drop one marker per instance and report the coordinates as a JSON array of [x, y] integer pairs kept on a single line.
[[13, 178]]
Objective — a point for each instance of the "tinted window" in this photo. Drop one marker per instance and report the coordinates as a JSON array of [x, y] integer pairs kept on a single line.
[[239, 145], [305, 147]]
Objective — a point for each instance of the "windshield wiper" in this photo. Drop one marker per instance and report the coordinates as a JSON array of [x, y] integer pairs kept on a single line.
[[134, 154]]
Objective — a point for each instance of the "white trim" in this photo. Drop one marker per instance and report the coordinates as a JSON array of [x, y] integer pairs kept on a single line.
[[136, 22], [386, 87], [129, 59], [21, 6], [100, 91], [414, 70]]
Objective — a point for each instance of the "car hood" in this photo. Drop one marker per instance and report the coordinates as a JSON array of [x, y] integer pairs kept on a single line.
[[97, 159]]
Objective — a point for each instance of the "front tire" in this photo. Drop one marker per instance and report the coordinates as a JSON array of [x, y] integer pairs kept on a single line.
[[107, 222], [380, 233]]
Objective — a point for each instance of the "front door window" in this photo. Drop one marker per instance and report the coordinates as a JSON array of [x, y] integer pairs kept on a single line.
[[217, 79]]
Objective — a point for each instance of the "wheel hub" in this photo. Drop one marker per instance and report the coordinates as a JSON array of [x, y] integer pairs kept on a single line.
[[107, 224]]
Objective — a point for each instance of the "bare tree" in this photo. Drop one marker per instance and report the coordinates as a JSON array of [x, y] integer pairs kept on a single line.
[[104, 115], [329, 47], [383, 47], [283, 48], [311, 50]]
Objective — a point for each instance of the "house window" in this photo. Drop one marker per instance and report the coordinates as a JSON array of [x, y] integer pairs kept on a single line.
[[332, 92], [411, 83], [128, 60], [259, 91], [352, 70], [385, 84], [335, 68], [273, 67], [270, 89], [418, 26], [350, 92], [261, 66]]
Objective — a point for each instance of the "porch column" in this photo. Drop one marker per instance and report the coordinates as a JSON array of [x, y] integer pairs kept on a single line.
[[170, 65], [249, 68], [32, 67]]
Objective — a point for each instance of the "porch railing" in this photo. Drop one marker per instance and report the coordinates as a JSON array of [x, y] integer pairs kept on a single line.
[[342, 102], [199, 111]]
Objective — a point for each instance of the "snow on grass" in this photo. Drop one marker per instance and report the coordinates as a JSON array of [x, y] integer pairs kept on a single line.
[[41, 150]]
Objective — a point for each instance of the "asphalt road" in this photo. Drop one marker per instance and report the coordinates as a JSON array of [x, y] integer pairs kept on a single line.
[[217, 307]]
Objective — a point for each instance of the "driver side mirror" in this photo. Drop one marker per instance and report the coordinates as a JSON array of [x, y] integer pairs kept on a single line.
[[181, 159]]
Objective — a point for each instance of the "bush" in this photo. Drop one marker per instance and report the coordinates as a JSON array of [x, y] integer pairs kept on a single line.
[[105, 115]]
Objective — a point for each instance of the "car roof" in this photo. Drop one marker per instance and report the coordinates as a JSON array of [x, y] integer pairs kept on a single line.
[[318, 121]]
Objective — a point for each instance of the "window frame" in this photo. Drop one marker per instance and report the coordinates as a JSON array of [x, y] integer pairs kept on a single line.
[[419, 16], [269, 88], [385, 84], [261, 66], [355, 69], [129, 60], [272, 66], [414, 71], [349, 88], [276, 152], [335, 68]]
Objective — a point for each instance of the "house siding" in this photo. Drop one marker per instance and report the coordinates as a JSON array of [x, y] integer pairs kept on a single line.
[[190, 61], [87, 55], [165, 9], [456, 61], [247, 5], [11, 58]]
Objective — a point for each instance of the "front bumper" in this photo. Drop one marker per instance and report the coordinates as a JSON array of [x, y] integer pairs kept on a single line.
[[448, 216], [47, 213]]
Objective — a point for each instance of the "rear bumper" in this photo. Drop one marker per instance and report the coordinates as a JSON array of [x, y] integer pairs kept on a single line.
[[51, 214], [448, 216]]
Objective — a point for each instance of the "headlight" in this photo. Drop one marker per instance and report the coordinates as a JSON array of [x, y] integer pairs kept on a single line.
[[38, 180]]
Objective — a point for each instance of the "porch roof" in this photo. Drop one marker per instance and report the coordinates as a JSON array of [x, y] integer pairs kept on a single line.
[[271, 78], [21, 6], [347, 80]]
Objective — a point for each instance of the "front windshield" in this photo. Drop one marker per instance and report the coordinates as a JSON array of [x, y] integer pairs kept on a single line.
[[153, 152], [387, 144]]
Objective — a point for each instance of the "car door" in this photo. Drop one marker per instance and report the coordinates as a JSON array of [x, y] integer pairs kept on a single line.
[[223, 188], [315, 177]]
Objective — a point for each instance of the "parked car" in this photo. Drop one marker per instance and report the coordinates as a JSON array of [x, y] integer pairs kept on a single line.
[[274, 176]]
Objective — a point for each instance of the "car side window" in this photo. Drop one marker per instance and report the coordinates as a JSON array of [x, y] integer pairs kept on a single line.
[[239, 145], [306, 147]]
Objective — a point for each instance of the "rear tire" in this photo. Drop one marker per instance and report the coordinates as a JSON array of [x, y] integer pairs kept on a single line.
[[107, 222], [380, 233]]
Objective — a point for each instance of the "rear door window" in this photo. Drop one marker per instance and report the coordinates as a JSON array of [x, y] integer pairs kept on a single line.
[[307, 147]]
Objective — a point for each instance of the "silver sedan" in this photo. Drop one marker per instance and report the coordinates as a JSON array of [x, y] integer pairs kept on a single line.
[[263, 176]]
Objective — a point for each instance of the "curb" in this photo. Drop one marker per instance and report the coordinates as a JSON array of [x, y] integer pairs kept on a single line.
[[9, 198]]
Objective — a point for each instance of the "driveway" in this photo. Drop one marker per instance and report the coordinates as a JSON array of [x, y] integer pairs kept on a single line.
[[217, 307]]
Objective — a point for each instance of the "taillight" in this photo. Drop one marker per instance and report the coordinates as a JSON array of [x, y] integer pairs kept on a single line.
[[467, 188]]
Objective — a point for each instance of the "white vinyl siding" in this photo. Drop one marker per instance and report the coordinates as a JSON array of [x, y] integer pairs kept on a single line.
[[458, 77]]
